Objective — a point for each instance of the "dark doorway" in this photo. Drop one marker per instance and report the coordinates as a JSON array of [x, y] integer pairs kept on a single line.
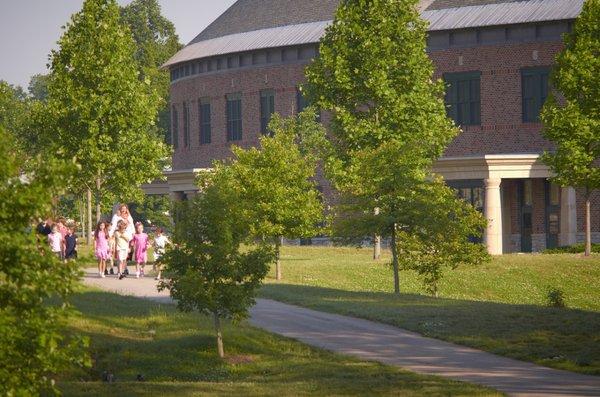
[[552, 214], [525, 191]]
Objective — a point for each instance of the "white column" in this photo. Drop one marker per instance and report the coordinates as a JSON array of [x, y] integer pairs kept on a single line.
[[568, 216], [493, 214]]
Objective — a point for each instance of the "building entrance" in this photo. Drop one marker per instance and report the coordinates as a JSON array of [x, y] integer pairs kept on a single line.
[[526, 214]]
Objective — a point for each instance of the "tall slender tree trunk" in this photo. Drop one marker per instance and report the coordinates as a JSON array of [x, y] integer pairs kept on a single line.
[[89, 217], [395, 261], [278, 244], [219, 335], [588, 226], [376, 242], [98, 199]]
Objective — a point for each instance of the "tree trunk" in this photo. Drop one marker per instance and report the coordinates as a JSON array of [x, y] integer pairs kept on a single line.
[[89, 217], [588, 227], [98, 206], [278, 243], [219, 335], [376, 242], [395, 261], [81, 205]]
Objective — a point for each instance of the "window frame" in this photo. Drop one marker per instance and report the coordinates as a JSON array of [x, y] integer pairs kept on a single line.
[[204, 122], [267, 108], [540, 94], [174, 127], [455, 105], [186, 124], [233, 115]]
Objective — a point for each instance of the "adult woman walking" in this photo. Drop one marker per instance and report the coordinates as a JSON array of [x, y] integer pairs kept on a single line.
[[122, 215]]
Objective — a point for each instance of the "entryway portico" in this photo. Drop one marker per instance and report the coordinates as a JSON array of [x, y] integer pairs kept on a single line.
[[524, 211]]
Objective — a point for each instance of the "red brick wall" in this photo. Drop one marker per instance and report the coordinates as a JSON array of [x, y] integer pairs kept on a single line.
[[595, 210], [282, 79], [502, 129]]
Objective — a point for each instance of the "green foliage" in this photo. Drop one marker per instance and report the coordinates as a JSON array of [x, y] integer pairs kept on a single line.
[[555, 297], [15, 113], [38, 86], [33, 343], [375, 77], [572, 121], [388, 126], [571, 249], [276, 181], [213, 268], [153, 210], [98, 110], [156, 41]]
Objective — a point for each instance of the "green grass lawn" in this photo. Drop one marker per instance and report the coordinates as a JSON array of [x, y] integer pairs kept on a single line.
[[175, 352], [499, 307]]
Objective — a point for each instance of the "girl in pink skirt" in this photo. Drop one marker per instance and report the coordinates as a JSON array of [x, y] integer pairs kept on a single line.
[[101, 247], [140, 245]]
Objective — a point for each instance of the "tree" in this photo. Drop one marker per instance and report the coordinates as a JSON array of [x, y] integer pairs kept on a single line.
[[156, 42], [572, 122], [210, 272], [38, 87], [153, 210], [34, 344], [99, 111], [374, 76], [276, 182]]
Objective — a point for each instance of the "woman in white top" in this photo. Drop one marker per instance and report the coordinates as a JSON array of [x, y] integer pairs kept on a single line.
[[122, 214]]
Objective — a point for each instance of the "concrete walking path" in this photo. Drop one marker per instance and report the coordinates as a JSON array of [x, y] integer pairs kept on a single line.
[[374, 341]]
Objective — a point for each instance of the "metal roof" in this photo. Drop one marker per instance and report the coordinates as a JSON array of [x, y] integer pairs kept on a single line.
[[444, 19], [503, 14]]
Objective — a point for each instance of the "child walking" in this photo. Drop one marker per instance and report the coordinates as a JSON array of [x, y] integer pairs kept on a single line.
[[160, 243], [140, 245], [122, 238], [57, 243], [70, 244], [101, 247], [112, 250]]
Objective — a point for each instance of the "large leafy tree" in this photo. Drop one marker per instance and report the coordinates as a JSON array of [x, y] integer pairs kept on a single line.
[[99, 110], [34, 344], [573, 121], [215, 268], [276, 181], [156, 42], [374, 76]]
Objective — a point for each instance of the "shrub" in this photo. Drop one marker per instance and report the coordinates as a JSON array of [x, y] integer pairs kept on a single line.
[[555, 297], [571, 249]]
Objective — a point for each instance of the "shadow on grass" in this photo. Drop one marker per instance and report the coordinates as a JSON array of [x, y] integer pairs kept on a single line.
[[131, 336], [557, 337]]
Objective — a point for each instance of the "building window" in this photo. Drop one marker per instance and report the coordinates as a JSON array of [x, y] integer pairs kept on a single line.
[[463, 102], [302, 103], [267, 108], [205, 130], [175, 128], [186, 125], [234, 117], [534, 83]]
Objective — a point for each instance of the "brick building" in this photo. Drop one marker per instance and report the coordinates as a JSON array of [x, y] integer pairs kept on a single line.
[[495, 56]]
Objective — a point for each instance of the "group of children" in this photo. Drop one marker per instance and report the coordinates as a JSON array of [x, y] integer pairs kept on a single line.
[[61, 238], [119, 244]]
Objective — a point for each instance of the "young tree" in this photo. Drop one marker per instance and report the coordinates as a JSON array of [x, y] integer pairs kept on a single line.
[[98, 110], [429, 228], [210, 272], [156, 41], [276, 182], [374, 76], [34, 345], [573, 122]]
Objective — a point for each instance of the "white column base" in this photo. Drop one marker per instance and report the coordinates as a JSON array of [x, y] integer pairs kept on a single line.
[[493, 214]]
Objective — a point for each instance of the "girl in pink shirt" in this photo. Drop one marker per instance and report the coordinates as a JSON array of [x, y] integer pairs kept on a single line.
[[101, 247], [140, 245]]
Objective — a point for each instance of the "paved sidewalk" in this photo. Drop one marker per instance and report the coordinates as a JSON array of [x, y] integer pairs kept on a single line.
[[390, 345]]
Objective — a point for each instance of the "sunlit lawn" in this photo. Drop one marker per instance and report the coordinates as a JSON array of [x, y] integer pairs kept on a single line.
[[176, 354], [500, 306]]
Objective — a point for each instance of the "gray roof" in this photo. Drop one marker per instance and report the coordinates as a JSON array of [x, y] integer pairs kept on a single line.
[[248, 15], [302, 30]]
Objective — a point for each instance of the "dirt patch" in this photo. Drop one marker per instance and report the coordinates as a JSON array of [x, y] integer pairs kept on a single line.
[[239, 359]]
